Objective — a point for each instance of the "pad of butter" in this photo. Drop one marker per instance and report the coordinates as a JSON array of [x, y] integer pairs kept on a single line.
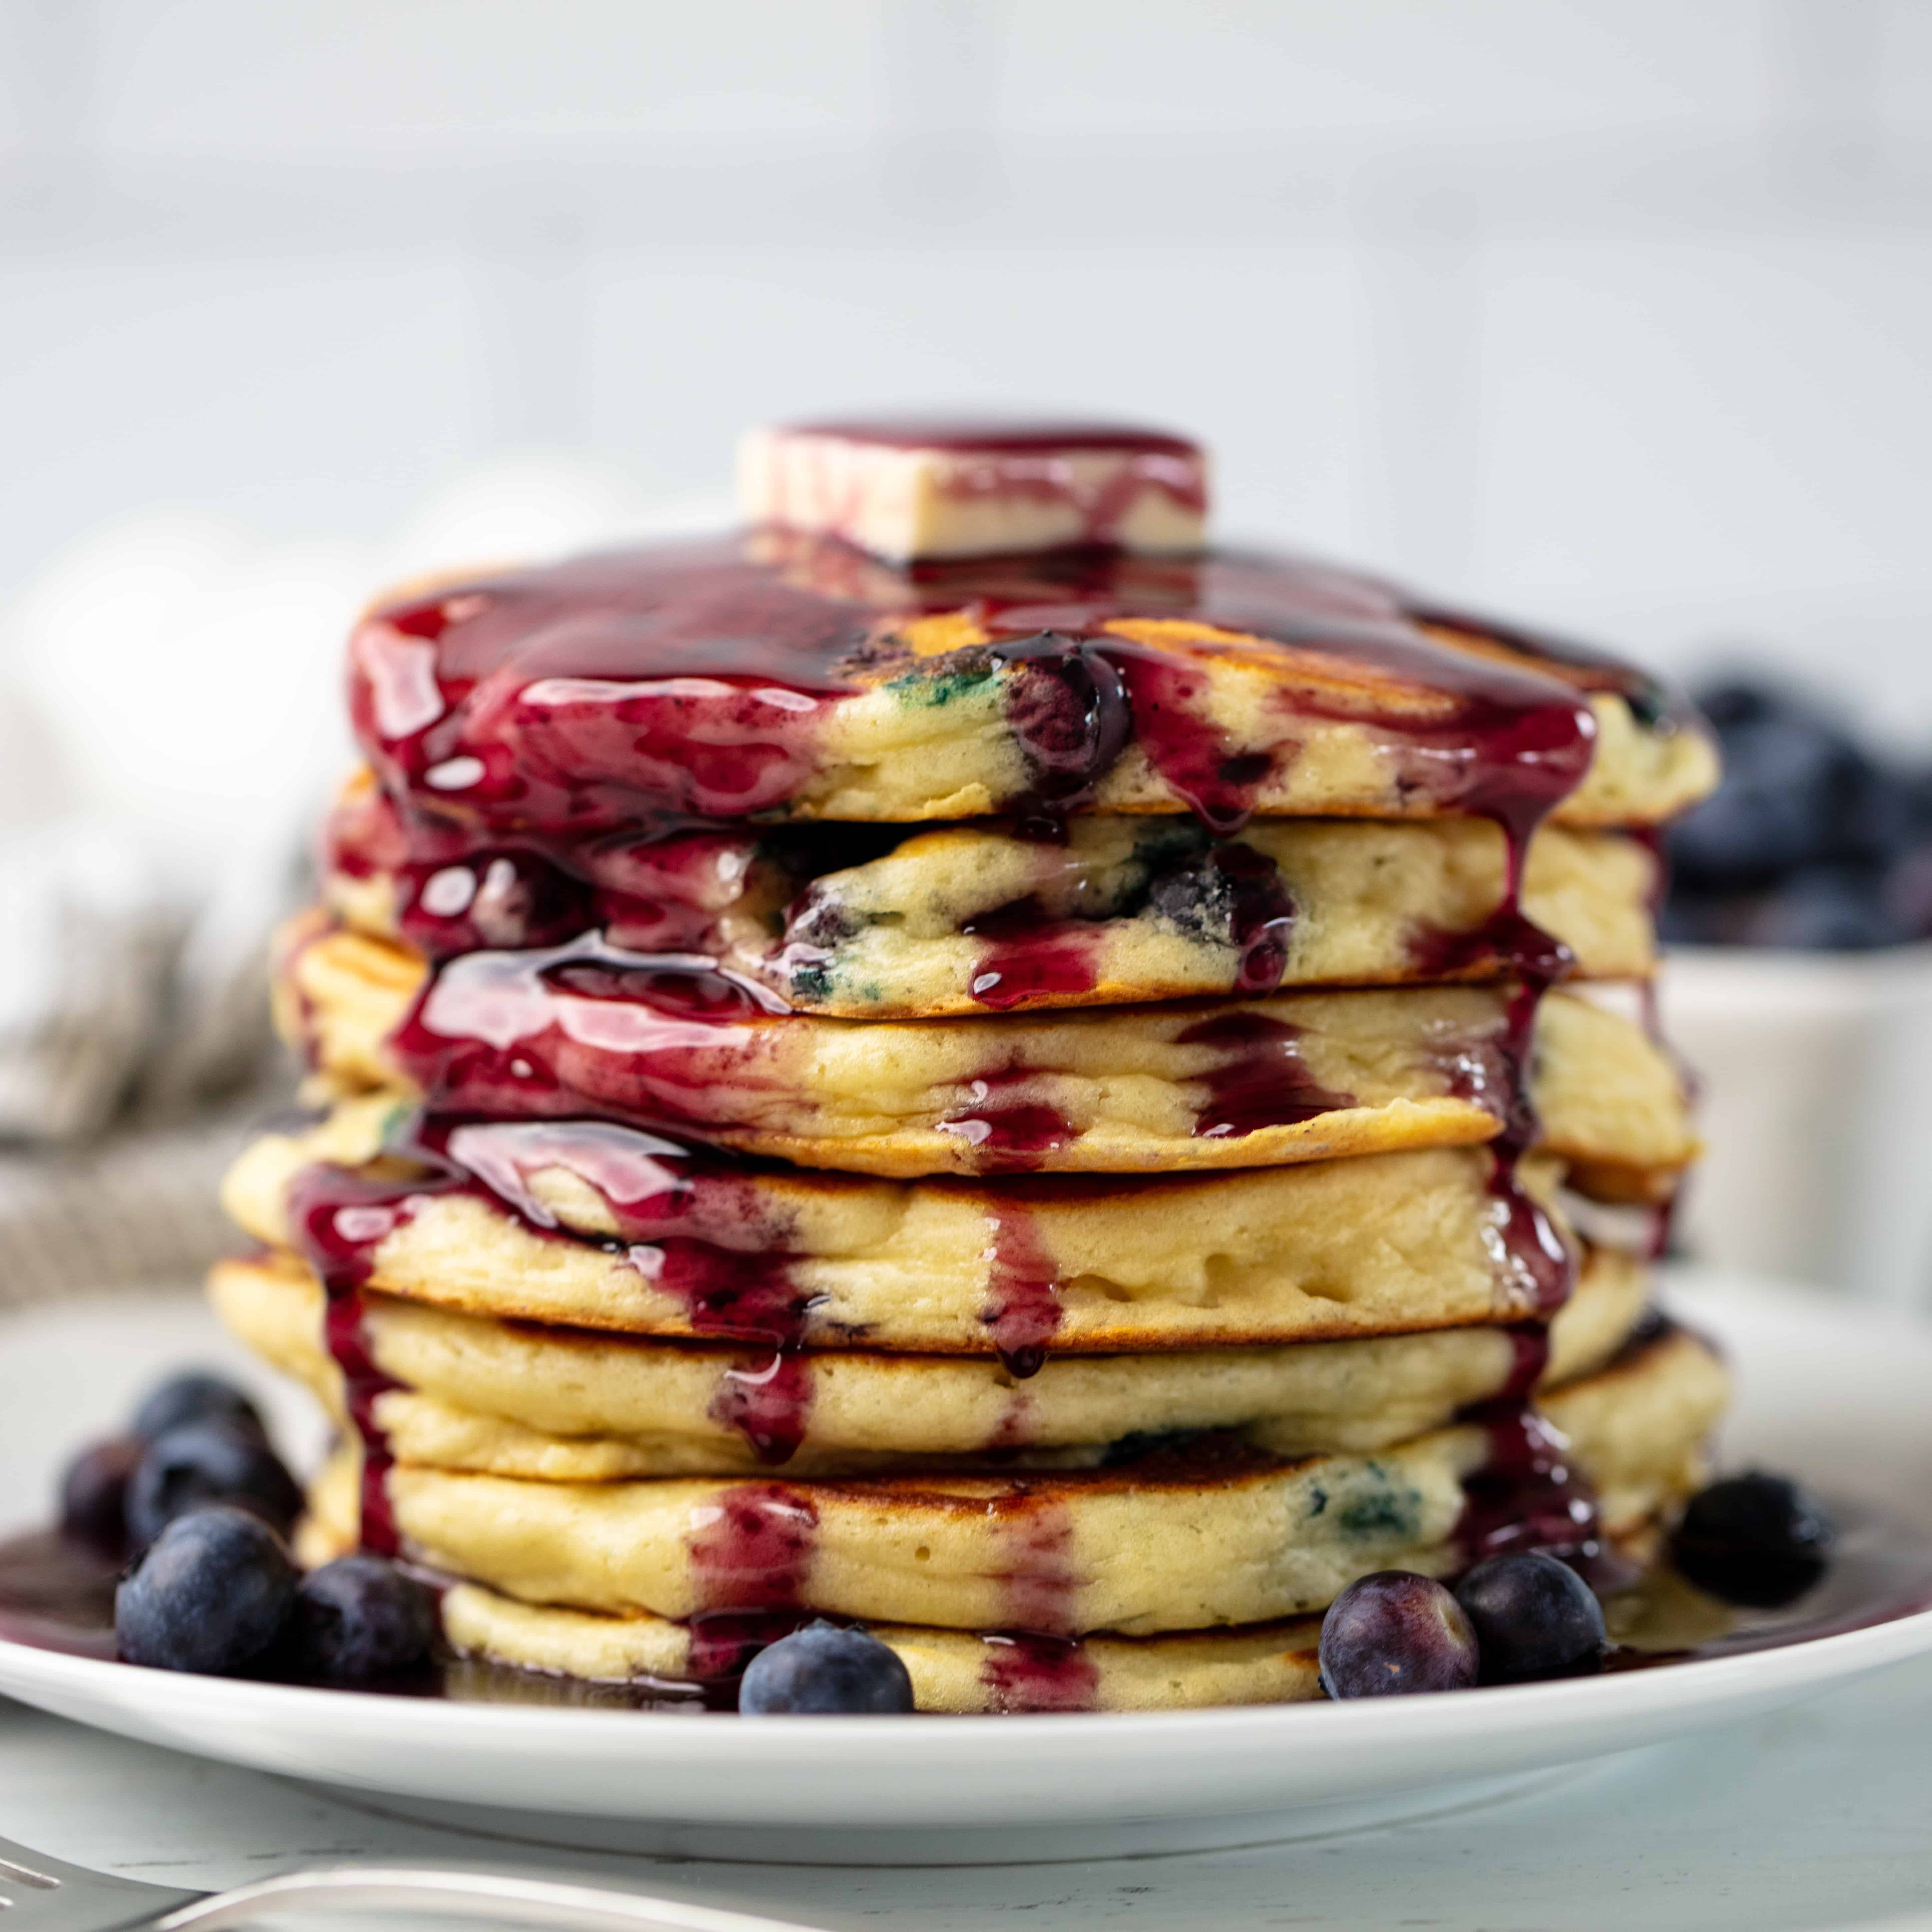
[[907, 489]]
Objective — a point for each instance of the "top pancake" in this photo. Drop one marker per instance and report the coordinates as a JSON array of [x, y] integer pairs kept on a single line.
[[789, 677]]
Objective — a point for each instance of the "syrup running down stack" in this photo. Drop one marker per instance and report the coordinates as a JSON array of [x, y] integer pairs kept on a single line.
[[959, 1062]]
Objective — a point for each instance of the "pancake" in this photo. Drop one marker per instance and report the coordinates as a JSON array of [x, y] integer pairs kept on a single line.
[[861, 924], [784, 676], [955, 1672], [556, 1404], [1308, 1076], [1213, 1533], [599, 1226]]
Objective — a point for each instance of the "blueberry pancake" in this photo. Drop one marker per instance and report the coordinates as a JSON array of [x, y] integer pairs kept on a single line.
[[596, 1225], [1210, 1533], [583, 1030], [782, 676], [462, 1392], [957, 1672], [865, 922]]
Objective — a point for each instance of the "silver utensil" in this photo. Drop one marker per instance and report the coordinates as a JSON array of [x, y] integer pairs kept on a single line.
[[38, 1894]]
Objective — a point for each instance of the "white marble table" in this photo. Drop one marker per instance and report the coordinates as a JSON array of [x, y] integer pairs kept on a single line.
[[1821, 1816]]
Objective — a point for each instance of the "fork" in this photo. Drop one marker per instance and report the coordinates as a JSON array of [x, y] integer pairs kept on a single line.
[[38, 1894]]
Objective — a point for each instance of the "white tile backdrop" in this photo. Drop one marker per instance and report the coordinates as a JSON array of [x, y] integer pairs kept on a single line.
[[1616, 312]]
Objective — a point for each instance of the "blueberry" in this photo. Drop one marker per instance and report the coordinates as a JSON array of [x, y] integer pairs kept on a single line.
[[1756, 1540], [203, 1463], [1741, 700], [1533, 1617], [1826, 909], [823, 1668], [358, 1617], [93, 1492], [1394, 1632], [1780, 805], [211, 1595], [193, 1397], [1876, 809], [1908, 891]]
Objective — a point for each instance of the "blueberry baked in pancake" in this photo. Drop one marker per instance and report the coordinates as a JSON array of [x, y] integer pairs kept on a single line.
[[957, 1100]]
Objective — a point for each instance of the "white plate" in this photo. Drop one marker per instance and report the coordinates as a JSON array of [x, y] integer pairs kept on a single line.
[[1829, 1391]]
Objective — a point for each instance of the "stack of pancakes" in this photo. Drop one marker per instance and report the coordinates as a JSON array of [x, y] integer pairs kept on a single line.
[[1021, 1103]]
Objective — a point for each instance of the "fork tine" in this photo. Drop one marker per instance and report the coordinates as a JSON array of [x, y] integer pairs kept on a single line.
[[39, 1893]]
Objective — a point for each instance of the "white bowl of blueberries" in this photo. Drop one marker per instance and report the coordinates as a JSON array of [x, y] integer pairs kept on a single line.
[[1797, 987]]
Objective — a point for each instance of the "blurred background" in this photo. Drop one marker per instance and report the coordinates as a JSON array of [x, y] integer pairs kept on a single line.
[[1608, 313]]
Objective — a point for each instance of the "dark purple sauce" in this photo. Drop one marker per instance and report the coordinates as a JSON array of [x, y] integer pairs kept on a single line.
[[1260, 1082], [1027, 1673], [695, 678], [1026, 956], [1022, 1313], [691, 1224], [750, 1549], [1007, 1132]]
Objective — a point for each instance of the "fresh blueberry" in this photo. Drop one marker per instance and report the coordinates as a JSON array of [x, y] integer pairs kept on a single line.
[[1756, 1540], [204, 1462], [823, 1668], [93, 1492], [212, 1594], [1876, 807], [1740, 700], [1394, 1632], [1908, 891], [193, 1397], [1780, 805], [1533, 1617], [359, 1617], [1826, 909]]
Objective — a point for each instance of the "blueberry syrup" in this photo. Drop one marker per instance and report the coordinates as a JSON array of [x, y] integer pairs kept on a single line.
[[767, 1403], [1261, 917], [1027, 956], [1259, 1082], [1525, 1495], [1007, 1132], [750, 1550], [339, 1220], [652, 1039], [691, 1224], [1022, 1311], [698, 678], [1037, 1544], [1027, 1673]]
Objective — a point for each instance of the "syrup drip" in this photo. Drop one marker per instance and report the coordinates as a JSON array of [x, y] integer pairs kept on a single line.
[[340, 1219], [1022, 1311], [1261, 1082], [750, 1549], [1027, 955], [1525, 1496], [1027, 1673], [1262, 917], [1008, 1133], [725, 1262], [766, 1404], [1036, 1539], [582, 1028], [663, 889]]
